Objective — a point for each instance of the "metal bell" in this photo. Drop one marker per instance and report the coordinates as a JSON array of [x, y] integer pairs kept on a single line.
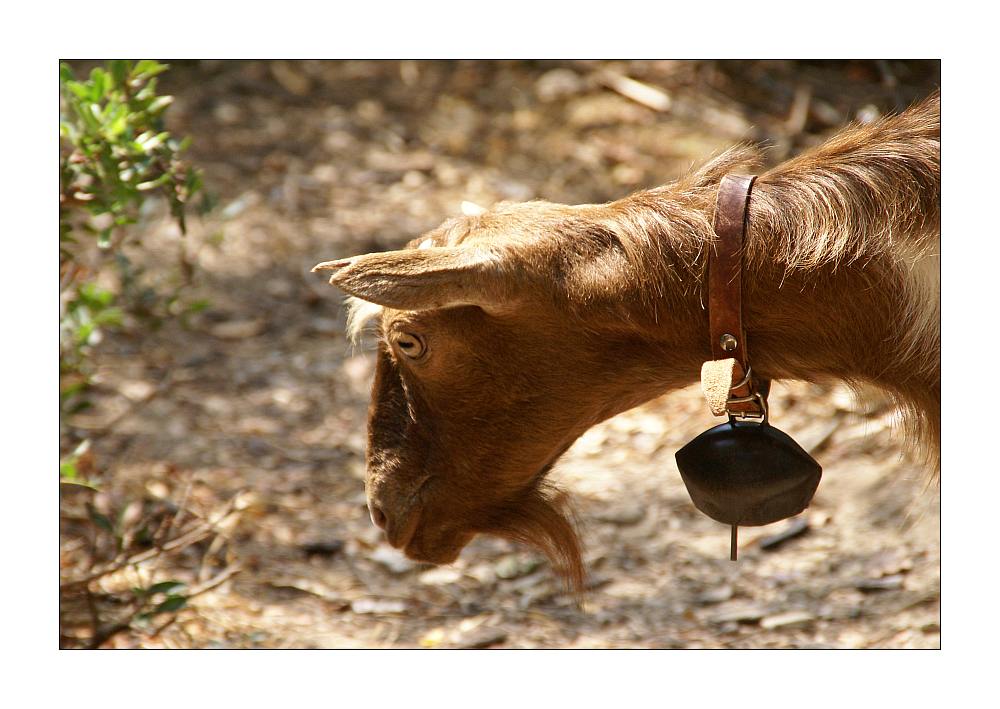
[[748, 474]]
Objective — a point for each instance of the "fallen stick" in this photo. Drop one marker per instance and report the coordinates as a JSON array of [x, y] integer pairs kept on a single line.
[[644, 94]]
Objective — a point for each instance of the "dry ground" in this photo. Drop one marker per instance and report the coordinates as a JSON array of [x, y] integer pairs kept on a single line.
[[261, 394]]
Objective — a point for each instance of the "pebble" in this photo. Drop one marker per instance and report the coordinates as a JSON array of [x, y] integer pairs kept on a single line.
[[238, 329], [558, 83], [514, 565], [738, 613], [227, 114], [795, 528], [719, 594], [392, 559], [365, 606], [784, 620], [137, 390], [440, 576], [622, 515], [480, 638], [886, 583]]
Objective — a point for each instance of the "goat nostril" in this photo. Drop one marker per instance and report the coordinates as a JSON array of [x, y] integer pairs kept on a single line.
[[378, 516]]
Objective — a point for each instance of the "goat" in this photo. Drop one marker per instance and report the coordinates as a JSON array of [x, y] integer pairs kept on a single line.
[[503, 336]]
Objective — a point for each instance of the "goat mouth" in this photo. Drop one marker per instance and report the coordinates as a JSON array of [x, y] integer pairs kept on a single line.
[[440, 554]]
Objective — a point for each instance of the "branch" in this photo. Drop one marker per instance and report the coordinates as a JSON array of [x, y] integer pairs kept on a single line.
[[190, 537]]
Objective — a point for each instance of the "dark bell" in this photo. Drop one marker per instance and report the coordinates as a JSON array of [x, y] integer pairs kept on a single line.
[[748, 474]]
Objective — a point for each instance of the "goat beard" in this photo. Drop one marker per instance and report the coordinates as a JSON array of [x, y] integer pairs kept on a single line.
[[543, 518]]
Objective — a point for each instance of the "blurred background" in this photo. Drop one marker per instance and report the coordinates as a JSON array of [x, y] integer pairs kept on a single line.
[[212, 427]]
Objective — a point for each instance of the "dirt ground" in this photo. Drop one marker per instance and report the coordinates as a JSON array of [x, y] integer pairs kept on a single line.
[[262, 399]]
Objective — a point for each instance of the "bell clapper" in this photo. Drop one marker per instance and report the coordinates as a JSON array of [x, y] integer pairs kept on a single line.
[[732, 544]]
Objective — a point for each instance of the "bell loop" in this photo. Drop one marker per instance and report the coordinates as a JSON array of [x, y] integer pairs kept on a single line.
[[760, 418]]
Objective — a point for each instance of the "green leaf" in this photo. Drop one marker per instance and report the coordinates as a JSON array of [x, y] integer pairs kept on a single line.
[[109, 317], [119, 71], [79, 406], [172, 604], [159, 103], [148, 145], [94, 295], [67, 470], [153, 184], [81, 90], [117, 125], [100, 520], [148, 68], [81, 483], [164, 587], [65, 73], [98, 84], [198, 305]]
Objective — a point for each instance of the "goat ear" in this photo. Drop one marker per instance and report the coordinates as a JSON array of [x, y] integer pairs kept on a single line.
[[422, 279]]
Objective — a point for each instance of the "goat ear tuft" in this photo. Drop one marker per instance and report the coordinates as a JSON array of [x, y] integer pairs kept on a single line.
[[421, 279]]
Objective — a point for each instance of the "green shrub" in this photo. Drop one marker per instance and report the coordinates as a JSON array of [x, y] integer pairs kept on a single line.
[[115, 155], [116, 159]]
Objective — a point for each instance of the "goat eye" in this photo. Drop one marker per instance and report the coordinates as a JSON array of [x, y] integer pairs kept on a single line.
[[411, 345]]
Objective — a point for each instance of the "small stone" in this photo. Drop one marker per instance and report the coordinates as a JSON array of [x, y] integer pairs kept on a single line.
[[886, 583], [286, 74], [392, 559], [719, 594], [558, 83], [369, 111], [784, 620], [227, 114], [481, 638], [137, 390], [795, 527], [238, 329], [888, 562], [440, 576], [367, 606], [515, 565], [623, 514], [735, 612], [483, 573]]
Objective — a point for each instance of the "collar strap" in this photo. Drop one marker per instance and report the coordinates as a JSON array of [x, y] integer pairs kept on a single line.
[[728, 375]]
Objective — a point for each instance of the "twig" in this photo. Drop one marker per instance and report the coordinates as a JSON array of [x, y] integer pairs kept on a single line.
[[191, 537], [171, 520], [798, 114], [217, 580], [170, 621], [644, 94], [201, 588]]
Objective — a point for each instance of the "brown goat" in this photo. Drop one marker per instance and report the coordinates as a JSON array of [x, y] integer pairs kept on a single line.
[[504, 336]]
